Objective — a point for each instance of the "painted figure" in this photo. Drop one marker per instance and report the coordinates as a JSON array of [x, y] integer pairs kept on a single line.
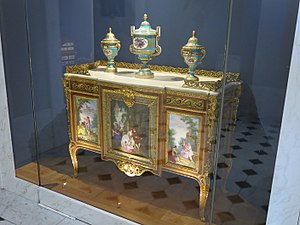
[[88, 125], [136, 138], [127, 142], [120, 117], [173, 155], [186, 151]]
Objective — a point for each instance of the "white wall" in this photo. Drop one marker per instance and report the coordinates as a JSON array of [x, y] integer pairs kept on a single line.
[[285, 195]]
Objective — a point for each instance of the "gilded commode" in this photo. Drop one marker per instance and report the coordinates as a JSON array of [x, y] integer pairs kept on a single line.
[[158, 125]]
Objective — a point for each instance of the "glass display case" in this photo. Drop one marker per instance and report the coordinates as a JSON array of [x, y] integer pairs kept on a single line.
[[172, 121]]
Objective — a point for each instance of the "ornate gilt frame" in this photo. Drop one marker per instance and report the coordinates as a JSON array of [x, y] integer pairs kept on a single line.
[[130, 164]]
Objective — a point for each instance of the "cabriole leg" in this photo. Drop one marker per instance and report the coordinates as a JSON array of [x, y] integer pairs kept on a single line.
[[204, 184], [73, 153]]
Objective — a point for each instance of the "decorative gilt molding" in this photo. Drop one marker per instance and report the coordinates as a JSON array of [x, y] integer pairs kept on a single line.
[[67, 94], [232, 77], [129, 96], [212, 112], [203, 85], [85, 87], [80, 69], [186, 94], [84, 68], [158, 68], [130, 169], [207, 165], [184, 102]]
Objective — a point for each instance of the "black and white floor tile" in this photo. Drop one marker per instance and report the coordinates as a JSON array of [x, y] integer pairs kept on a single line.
[[246, 170]]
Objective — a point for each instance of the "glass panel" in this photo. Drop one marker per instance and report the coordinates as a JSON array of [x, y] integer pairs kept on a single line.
[[141, 149], [149, 147], [18, 83], [260, 49]]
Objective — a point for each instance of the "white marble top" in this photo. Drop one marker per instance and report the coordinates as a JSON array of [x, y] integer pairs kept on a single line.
[[161, 80]]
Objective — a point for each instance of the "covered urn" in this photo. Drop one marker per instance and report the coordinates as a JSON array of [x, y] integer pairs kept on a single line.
[[145, 45], [110, 46], [193, 53]]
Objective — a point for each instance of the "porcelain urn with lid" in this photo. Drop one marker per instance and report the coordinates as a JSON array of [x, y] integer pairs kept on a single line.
[[110, 46], [145, 45], [193, 53]]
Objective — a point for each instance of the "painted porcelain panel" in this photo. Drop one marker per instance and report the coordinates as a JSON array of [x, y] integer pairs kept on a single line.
[[183, 140], [130, 128], [87, 119]]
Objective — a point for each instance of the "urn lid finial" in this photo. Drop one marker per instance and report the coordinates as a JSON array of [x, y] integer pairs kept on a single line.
[[193, 41], [145, 17], [145, 28], [110, 37]]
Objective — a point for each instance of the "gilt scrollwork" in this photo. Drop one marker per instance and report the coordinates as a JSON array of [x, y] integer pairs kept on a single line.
[[207, 165], [198, 104], [84, 68], [204, 85], [67, 95], [129, 96], [85, 87], [211, 120], [80, 69], [232, 77], [130, 169]]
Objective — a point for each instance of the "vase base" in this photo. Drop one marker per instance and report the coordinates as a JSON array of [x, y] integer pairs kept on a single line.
[[110, 69], [192, 78], [144, 73]]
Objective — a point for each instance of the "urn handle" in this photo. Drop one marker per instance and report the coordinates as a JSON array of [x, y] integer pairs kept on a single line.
[[132, 29], [203, 53], [158, 32], [157, 51], [118, 46]]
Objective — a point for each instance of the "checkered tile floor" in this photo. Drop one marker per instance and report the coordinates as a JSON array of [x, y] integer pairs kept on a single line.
[[245, 172], [242, 189]]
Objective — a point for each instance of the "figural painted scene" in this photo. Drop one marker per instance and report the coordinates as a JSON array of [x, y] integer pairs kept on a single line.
[[183, 140], [130, 128], [87, 120]]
